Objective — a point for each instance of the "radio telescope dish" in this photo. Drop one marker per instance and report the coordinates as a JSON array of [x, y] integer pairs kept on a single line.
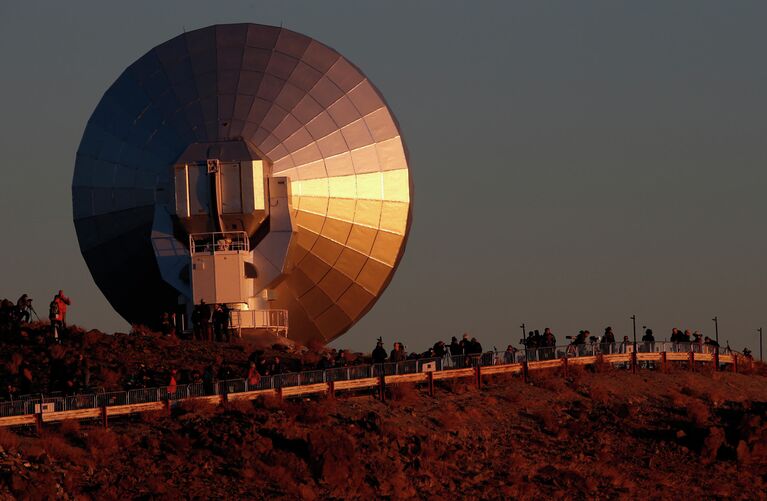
[[248, 165]]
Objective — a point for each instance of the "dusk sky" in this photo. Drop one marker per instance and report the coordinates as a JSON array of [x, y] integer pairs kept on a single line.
[[574, 163]]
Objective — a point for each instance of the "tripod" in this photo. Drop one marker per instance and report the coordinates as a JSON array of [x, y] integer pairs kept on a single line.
[[32, 309]]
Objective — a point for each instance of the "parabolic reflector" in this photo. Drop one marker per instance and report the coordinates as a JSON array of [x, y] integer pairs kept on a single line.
[[264, 101]]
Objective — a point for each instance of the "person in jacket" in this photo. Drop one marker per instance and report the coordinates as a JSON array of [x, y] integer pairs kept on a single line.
[[54, 315], [398, 353], [253, 377], [172, 383], [64, 302], [379, 353]]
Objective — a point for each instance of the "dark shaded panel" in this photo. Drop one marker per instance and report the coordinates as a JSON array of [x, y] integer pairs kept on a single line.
[[202, 40], [255, 59], [232, 35], [292, 43], [262, 36], [172, 52], [206, 84], [270, 87], [227, 81], [249, 82], [132, 285], [281, 65]]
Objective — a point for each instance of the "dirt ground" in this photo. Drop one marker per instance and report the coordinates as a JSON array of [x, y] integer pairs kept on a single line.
[[604, 435]]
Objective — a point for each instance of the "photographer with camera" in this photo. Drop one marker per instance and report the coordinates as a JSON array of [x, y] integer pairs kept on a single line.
[[24, 309]]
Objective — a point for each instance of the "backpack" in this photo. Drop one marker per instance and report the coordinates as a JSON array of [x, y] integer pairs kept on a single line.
[[53, 313]]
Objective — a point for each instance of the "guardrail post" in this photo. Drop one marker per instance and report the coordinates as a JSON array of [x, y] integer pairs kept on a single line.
[[663, 363], [477, 376], [691, 360], [634, 362], [104, 414], [564, 367], [332, 389], [716, 359], [382, 387], [430, 380]]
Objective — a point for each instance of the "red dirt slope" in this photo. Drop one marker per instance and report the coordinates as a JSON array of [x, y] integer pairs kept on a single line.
[[595, 435]]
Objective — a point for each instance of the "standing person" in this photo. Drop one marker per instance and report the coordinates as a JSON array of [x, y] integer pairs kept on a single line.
[[165, 327], [509, 356], [23, 307], [550, 343], [205, 315], [455, 347], [253, 377], [196, 323], [379, 353], [625, 345], [649, 341], [209, 380], [398, 353], [54, 315], [465, 343], [172, 384], [608, 341], [217, 323], [439, 349], [63, 301]]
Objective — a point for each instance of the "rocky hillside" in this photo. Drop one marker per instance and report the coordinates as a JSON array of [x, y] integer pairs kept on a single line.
[[594, 435]]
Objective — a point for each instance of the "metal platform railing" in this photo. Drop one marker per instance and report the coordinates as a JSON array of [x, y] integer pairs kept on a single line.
[[213, 243], [274, 320]]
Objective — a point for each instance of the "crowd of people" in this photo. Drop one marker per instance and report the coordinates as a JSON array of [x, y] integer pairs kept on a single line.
[[70, 372], [210, 324]]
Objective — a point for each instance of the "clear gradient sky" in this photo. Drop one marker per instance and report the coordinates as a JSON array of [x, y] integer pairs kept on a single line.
[[574, 162]]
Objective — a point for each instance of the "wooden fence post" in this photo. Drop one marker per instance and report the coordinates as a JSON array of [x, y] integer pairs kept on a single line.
[[691, 361], [716, 359], [735, 364], [525, 371], [564, 366], [39, 420], [477, 376], [430, 380], [382, 387], [104, 418], [332, 389], [663, 363], [633, 362]]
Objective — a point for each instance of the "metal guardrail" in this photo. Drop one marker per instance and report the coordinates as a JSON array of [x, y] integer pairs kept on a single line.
[[276, 320], [215, 242], [184, 391]]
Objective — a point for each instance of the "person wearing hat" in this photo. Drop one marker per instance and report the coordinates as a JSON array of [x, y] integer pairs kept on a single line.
[[379, 353]]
